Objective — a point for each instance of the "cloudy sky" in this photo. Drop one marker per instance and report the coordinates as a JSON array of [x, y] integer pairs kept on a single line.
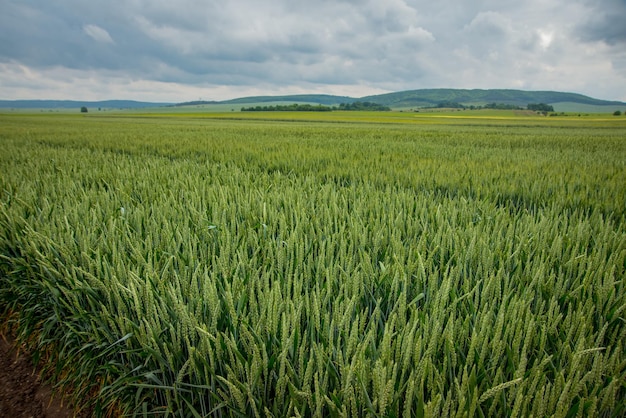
[[164, 50]]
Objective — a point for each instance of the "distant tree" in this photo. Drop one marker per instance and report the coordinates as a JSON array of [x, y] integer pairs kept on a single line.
[[288, 108], [617, 113], [83, 109], [501, 106], [450, 105], [363, 106], [540, 107]]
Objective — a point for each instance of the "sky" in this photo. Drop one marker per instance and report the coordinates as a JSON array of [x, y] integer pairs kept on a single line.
[[183, 50]]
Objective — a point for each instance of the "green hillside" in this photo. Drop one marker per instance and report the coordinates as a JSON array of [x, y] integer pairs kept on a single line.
[[75, 104], [588, 108], [398, 100], [431, 97], [324, 99]]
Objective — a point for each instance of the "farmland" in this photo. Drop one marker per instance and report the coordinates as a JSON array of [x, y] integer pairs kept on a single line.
[[342, 264]]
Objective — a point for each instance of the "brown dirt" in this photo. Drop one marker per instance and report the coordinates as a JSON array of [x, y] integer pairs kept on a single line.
[[22, 392]]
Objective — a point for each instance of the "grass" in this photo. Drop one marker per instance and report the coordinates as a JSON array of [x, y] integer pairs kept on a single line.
[[429, 116], [345, 264]]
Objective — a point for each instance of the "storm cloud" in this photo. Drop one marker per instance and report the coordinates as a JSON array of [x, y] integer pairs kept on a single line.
[[189, 49]]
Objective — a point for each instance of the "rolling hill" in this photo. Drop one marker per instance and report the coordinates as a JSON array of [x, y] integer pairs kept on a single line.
[[561, 101], [75, 104], [323, 99], [431, 97]]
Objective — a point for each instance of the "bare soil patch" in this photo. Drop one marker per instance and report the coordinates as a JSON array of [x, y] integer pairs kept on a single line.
[[22, 391]]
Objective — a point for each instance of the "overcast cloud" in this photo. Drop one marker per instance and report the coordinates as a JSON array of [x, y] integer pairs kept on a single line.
[[158, 50]]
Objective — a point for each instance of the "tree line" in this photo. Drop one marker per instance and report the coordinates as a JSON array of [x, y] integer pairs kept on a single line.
[[537, 107], [287, 108], [316, 108]]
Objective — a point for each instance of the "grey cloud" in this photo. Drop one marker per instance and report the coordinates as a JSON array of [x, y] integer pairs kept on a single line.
[[490, 24], [98, 34], [606, 22], [390, 45]]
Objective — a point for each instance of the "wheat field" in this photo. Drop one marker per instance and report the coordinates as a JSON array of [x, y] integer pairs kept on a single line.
[[179, 266]]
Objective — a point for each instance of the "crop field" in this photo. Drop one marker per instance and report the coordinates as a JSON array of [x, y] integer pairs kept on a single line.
[[341, 265]]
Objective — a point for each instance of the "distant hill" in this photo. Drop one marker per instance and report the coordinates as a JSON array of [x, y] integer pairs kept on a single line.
[[324, 99], [431, 97], [403, 99], [74, 104]]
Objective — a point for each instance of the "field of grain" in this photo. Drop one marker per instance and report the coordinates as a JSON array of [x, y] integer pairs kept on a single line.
[[390, 265]]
